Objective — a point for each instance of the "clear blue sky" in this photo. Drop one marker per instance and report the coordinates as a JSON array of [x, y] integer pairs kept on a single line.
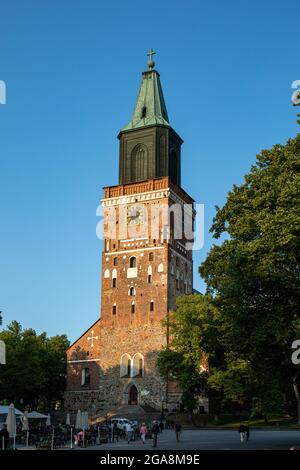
[[72, 70]]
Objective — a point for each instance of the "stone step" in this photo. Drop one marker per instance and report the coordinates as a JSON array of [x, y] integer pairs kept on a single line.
[[131, 412]]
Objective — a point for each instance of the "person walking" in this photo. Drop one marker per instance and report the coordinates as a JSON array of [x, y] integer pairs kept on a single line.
[[143, 432], [177, 428], [114, 432], [161, 426], [242, 432], [128, 430], [4, 435], [155, 430], [247, 430]]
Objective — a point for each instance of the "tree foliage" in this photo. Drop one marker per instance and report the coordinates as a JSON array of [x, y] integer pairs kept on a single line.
[[35, 372], [246, 323], [254, 276], [192, 331]]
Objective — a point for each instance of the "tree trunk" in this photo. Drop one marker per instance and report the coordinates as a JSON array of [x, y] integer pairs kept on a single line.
[[297, 395]]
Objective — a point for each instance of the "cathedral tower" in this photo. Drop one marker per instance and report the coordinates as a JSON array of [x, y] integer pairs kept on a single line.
[[146, 264]]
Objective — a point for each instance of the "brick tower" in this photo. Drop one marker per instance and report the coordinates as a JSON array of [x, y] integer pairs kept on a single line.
[[146, 264]]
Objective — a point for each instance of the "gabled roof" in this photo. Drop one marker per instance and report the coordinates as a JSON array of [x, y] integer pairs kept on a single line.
[[74, 342]]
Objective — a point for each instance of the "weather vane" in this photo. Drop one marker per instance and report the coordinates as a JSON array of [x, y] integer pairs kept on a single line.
[[151, 63]]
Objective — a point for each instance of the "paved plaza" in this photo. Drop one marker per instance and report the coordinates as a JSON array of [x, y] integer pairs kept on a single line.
[[212, 440]]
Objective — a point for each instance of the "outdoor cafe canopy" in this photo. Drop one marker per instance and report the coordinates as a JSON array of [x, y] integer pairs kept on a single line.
[[4, 410], [36, 415]]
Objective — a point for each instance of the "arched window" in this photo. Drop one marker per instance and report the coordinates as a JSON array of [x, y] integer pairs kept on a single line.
[[160, 268], [144, 112], [132, 291], [137, 365], [132, 262], [133, 307], [114, 309], [151, 256], [115, 261], [149, 278], [114, 278], [172, 224], [173, 166], [151, 306], [162, 155], [125, 365], [177, 280], [139, 163], [141, 367], [85, 376]]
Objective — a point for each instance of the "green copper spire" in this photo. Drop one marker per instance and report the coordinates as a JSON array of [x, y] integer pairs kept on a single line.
[[150, 108]]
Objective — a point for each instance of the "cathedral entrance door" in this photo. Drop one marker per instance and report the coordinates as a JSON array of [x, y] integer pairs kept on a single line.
[[133, 395]]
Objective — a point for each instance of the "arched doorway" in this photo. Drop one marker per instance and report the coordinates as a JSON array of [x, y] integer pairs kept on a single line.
[[133, 395]]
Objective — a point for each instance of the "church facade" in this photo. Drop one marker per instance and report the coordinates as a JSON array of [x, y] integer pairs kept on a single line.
[[146, 264]]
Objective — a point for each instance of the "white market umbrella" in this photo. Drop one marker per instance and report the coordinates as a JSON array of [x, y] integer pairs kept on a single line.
[[78, 422], [48, 421], [25, 423], [68, 421], [11, 421]]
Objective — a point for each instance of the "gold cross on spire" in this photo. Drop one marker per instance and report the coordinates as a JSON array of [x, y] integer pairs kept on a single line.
[[151, 62]]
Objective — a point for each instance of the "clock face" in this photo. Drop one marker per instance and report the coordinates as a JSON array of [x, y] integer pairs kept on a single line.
[[135, 215]]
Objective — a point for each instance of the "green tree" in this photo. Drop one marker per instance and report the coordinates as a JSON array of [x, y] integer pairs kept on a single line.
[[254, 277], [192, 331], [35, 369]]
